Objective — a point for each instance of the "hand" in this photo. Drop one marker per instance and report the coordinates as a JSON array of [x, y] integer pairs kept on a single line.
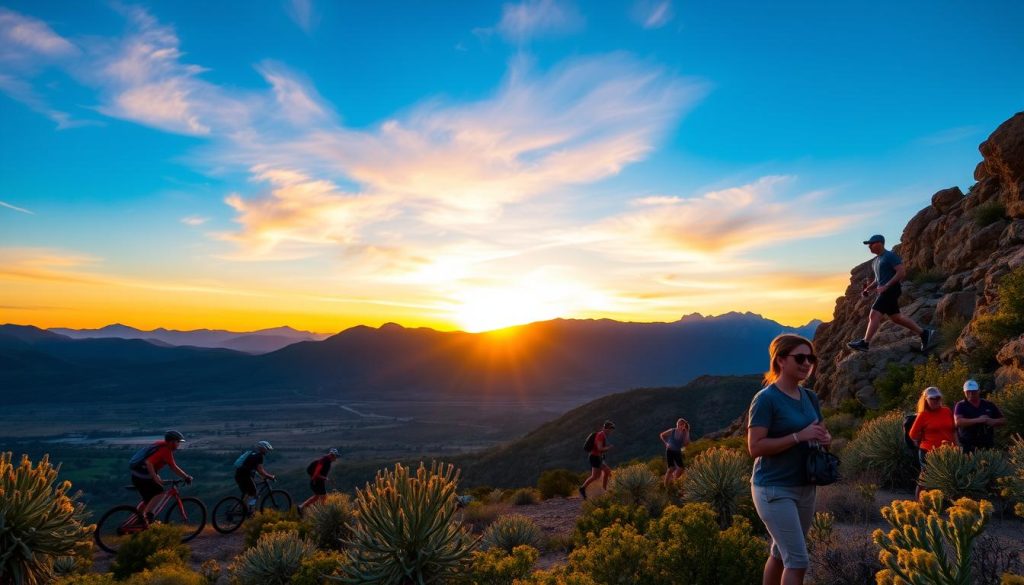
[[814, 432], [188, 479], [159, 480], [271, 477], [881, 289]]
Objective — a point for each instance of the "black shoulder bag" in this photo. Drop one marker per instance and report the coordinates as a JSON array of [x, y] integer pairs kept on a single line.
[[822, 467]]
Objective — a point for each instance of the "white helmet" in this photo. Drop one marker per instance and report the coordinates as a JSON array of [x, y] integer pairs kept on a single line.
[[264, 446]]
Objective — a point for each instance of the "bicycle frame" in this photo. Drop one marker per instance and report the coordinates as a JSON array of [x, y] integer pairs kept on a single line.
[[136, 523]]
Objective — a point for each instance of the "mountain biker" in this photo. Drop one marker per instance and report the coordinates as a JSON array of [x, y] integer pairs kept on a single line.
[[146, 465], [318, 470], [247, 466]]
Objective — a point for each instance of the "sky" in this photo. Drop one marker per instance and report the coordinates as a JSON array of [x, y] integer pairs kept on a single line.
[[473, 165]]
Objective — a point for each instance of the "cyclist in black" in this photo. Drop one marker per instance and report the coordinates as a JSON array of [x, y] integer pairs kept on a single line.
[[318, 471], [246, 466]]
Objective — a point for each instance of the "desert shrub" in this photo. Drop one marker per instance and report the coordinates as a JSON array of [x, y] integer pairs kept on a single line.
[[1012, 486], [964, 475], [1011, 403], [159, 544], [822, 528], [923, 547], [558, 483], [889, 387], [559, 542], [853, 406], [994, 329], [600, 513], [633, 484], [325, 522], [89, 579], [948, 377], [174, 574], [210, 570], [499, 567], [700, 445], [406, 529], [616, 555], [313, 569], [847, 561], [508, 532], [556, 576], [719, 477], [994, 557], [930, 276], [276, 557], [39, 521], [849, 502], [879, 449], [264, 522], [478, 515], [480, 493], [524, 497], [988, 213], [948, 332], [73, 565], [842, 425]]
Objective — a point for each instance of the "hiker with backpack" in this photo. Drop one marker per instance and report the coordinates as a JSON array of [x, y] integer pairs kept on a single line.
[[932, 428], [247, 466], [318, 470], [597, 445], [145, 466], [674, 440]]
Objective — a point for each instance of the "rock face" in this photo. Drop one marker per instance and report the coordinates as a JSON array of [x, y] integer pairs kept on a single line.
[[956, 250]]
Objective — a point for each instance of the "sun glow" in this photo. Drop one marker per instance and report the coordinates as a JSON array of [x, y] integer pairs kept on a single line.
[[486, 309]]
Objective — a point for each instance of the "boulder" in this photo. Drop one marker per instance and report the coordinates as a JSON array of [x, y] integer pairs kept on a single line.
[[945, 199], [1004, 159], [956, 305]]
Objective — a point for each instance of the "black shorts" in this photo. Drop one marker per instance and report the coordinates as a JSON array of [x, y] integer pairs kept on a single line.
[[596, 461], [245, 482], [148, 488], [319, 486], [674, 458], [888, 303]]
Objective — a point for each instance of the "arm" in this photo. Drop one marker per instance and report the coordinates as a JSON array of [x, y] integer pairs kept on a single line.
[[901, 273], [152, 473], [663, 436], [263, 472], [686, 436], [758, 443], [181, 472], [964, 422], [317, 470], [916, 431]]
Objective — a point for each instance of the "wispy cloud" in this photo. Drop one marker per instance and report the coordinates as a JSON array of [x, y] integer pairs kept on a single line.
[[652, 13], [523, 21], [15, 208], [951, 135], [194, 220], [304, 13]]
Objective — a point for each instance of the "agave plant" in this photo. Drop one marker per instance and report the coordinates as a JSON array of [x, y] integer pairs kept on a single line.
[[39, 521], [719, 477], [327, 521], [964, 475], [406, 530], [511, 531], [634, 484], [276, 557], [880, 447]]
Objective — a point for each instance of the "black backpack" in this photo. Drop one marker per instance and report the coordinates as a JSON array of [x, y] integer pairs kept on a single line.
[[908, 422], [311, 467], [588, 445]]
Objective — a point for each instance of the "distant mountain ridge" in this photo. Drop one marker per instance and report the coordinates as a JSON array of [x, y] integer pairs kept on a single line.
[[575, 360], [256, 342]]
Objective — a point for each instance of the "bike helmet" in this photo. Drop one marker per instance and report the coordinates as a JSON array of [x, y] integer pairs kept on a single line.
[[264, 446], [333, 451], [174, 436]]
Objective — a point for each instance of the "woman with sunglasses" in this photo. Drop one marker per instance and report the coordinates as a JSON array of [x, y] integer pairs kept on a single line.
[[784, 420], [933, 427]]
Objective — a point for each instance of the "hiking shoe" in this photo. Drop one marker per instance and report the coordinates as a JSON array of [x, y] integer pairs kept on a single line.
[[926, 338], [859, 345], [583, 493]]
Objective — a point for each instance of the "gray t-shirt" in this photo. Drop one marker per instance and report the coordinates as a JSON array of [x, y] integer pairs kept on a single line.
[[885, 266], [772, 409]]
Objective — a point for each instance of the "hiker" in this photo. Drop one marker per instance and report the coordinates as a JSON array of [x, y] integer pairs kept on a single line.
[[674, 440], [976, 419], [889, 273], [784, 418], [598, 468], [318, 470], [932, 428]]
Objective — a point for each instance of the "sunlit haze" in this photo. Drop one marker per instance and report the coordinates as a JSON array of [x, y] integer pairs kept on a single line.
[[475, 165]]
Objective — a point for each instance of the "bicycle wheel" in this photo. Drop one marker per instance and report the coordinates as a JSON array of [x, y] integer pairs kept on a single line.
[[190, 514], [116, 527], [278, 500], [228, 515]]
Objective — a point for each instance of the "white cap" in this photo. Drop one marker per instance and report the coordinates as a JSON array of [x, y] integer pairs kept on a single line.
[[971, 386], [932, 392]]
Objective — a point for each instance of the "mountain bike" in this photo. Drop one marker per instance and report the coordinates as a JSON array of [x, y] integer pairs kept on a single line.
[[231, 511], [119, 523]]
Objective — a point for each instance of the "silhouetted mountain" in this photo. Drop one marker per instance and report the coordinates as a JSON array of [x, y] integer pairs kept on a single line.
[[708, 403], [256, 342]]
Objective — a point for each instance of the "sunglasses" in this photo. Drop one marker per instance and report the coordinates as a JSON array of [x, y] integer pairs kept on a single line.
[[800, 358], [934, 398]]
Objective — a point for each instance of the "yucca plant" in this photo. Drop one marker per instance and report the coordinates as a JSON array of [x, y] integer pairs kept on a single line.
[[65, 566], [508, 532], [633, 484], [719, 477], [327, 522], [406, 530], [39, 521], [880, 448], [925, 549], [273, 561], [964, 475]]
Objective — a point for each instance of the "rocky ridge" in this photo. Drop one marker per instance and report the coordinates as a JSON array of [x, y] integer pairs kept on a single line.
[[956, 252]]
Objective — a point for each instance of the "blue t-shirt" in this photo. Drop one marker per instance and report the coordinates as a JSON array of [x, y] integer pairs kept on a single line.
[[674, 443], [885, 266], [772, 409]]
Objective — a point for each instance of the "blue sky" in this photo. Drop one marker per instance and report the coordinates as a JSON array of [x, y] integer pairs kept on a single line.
[[474, 164]]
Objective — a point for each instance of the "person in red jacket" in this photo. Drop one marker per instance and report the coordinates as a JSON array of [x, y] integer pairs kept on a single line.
[[933, 426]]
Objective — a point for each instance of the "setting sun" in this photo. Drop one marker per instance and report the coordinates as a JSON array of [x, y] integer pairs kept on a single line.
[[489, 309]]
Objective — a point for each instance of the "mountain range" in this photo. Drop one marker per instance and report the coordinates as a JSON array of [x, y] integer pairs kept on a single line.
[[255, 342], [565, 359]]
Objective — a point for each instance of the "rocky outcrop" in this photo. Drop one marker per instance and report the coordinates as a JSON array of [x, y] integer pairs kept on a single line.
[[956, 250]]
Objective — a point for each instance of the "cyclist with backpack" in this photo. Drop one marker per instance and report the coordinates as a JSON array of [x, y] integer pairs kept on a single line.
[[247, 466], [318, 470], [145, 467], [597, 445]]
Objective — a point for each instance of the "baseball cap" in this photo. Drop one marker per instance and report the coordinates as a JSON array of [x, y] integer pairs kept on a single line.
[[933, 392], [875, 238], [971, 386], [609, 424]]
